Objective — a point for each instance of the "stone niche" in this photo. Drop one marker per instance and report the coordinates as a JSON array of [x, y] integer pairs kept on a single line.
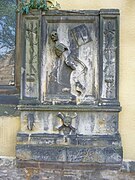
[[69, 87]]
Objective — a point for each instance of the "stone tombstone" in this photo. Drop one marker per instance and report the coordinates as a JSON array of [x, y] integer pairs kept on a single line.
[[69, 87]]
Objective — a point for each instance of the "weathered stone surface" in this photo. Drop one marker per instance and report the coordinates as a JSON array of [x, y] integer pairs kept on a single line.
[[30, 69], [81, 140], [69, 71], [9, 171], [86, 123], [100, 155], [41, 153], [69, 148], [128, 166], [69, 94]]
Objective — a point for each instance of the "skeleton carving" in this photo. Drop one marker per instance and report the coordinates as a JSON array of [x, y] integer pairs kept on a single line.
[[54, 36], [59, 47]]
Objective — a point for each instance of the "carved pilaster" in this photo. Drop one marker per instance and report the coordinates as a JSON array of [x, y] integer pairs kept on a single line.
[[109, 56], [30, 66]]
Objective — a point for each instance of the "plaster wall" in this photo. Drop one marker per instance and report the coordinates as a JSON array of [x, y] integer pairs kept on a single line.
[[9, 126], [8, 129]]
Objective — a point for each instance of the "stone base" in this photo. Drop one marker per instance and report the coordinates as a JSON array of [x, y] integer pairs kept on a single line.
[[72, 149], [60, 171]]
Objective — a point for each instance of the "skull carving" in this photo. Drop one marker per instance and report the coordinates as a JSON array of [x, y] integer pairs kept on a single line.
[[54, 36]]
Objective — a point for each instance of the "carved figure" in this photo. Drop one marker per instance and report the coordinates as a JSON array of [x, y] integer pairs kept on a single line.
[[30, 121], [79, 88], [66, 127], [71, 61], [54, 36], [59, 47], [109, 53], [81, 78]]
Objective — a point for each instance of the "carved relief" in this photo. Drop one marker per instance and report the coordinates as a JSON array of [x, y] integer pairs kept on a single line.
[[78, 56], [31, 64], [109, 59], [30, 121], [80, 35], [66, 128], [59, 47]]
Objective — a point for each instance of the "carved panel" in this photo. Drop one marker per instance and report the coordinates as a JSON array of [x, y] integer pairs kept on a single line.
[[70, 62], [31, 69], [70, 123], [109, 53]]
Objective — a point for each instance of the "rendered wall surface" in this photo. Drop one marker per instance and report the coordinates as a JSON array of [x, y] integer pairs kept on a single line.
[[9, 126]]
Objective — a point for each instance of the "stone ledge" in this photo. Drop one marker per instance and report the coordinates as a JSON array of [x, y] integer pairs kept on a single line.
[[80, 108], [128, 166], [63, 165], [57, 139], [9, 110]]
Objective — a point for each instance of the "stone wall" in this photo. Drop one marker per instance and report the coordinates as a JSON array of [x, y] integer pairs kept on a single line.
[[9, 171]]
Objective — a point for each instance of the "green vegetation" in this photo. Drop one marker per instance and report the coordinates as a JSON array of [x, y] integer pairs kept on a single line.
[[25, 7]]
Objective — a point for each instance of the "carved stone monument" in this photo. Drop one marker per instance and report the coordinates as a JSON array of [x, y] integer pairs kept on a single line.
[[69, 92]]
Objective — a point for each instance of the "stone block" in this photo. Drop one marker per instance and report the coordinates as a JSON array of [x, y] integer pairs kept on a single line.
[[41, 153]]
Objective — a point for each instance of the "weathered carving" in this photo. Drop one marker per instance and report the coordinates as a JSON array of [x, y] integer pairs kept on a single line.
[[59, 47], [109, 51], [30, 121], [83, 77], [66, 127], [31, 64], [77, 56], [74, 70], [80, 35]]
